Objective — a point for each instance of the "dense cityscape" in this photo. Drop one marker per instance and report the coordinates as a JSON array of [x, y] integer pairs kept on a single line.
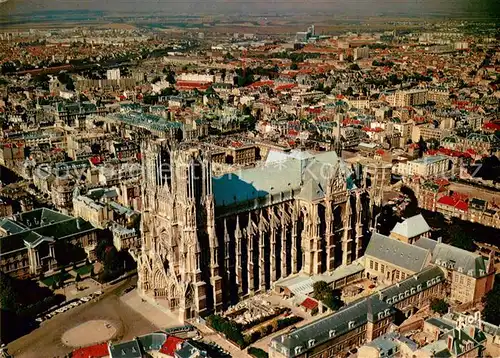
[[249, 188]]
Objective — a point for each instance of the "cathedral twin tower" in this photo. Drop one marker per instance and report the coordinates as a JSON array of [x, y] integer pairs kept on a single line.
[[206, 241]]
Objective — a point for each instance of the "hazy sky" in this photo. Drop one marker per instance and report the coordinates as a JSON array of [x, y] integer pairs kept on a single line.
[[256, 7]]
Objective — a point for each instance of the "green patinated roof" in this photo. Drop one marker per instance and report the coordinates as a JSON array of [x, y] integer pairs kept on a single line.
[[39, 217], [11, 227], [40, 224], [153, 341], [129, 349], [148, 121]]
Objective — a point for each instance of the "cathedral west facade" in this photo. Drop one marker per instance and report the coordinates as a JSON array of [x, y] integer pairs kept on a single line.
[[208, 241]]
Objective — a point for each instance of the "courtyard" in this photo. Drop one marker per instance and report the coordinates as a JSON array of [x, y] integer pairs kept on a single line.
[[46, 341]]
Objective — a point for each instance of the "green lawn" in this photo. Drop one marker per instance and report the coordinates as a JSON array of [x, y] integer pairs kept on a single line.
[[48, 281], [84, 270]]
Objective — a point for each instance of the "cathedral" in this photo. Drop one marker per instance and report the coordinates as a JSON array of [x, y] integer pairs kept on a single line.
[[208, 241]]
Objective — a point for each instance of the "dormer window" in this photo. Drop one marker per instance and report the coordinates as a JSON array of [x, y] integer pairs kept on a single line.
[[310, 343], [331, 333], [387, 312], [351, 324], [419, 287], [298, 349]]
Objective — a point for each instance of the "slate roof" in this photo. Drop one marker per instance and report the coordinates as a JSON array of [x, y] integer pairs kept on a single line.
[[468, 262], [187, 350], [440, 323], [129, 349], [336, 324], [426, 243], [418, 282], [62, 226], [390, 341], [411, 227], [10, 226], [407, 256], [39, 217], [447, 256], [153, 341]]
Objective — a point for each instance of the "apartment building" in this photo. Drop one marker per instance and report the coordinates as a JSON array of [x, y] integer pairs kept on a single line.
[[413, 97], [429, 166]]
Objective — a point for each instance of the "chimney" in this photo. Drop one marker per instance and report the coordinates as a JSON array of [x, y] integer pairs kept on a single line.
[[471, 331], [449, 343]]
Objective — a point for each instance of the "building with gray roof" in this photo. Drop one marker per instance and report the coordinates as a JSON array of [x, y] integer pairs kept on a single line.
[[411, 229], [354, 324], [388, 345], [391, 260], [30, 244], [471, 275]]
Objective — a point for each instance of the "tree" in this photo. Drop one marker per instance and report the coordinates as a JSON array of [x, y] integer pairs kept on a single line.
[[320, 288], [294, 66], [491, 312], [330, 297], [70, 86], [78, 279], [8, 295], [439, 306], [355, 67], [100, 250], [112, 262], [332, 300], [461, 239], [422, 147]]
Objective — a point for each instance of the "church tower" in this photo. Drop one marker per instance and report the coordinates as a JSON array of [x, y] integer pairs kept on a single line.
[[177, 236]]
